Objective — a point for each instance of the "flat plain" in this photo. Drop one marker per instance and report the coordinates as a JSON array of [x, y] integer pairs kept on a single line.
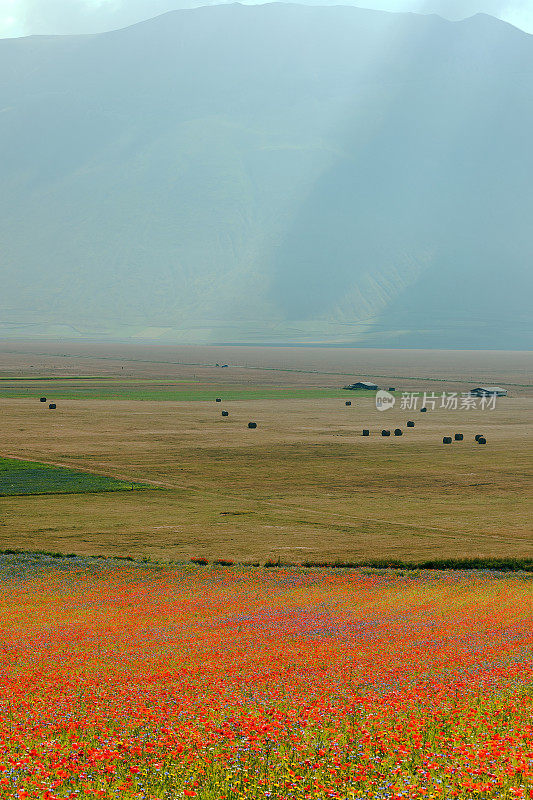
[[304, 485]]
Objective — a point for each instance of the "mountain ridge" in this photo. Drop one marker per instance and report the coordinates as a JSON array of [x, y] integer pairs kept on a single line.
[[262, 176], [476, 15]]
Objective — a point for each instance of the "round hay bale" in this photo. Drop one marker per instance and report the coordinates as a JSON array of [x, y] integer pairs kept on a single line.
[[410, 424], [478, 436], [423, 410], [398, 432], [225, 413], [366, 432], [482, 440], [385, 433], [458, 437], [348, 403], [252, 424], [447, 440], [218, 400], [42, 399], [52, 405]]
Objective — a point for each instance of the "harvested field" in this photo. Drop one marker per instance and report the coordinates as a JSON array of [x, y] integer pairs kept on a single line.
[[304, 486]]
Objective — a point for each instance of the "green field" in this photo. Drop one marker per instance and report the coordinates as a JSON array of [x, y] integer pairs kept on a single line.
[[155, 392], [30, 477]]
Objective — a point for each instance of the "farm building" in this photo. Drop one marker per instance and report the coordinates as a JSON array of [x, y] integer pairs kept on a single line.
[[361, 385], [483, 391]]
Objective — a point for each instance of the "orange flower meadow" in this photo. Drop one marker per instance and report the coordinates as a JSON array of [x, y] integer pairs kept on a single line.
[[135, 681]]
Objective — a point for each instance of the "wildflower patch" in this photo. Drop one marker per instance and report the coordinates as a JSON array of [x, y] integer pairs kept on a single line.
[[281, 683]]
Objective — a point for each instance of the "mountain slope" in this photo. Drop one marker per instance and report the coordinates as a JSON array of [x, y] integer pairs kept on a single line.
[[273, 173]]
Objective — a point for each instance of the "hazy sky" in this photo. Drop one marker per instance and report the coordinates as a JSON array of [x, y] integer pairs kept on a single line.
[[25, 17]]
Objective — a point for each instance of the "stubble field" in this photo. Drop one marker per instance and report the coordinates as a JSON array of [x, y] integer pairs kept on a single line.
[[304, 485]]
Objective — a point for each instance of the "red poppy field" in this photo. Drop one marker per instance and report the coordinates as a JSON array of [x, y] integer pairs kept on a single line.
[[141, 682]]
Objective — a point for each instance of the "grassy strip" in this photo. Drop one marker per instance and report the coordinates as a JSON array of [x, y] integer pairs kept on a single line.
[[21, 478], [30, 378], [184, 395], [493, 564]]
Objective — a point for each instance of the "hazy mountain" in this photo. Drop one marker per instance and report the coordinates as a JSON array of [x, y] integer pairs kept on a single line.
[[275, 173]]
